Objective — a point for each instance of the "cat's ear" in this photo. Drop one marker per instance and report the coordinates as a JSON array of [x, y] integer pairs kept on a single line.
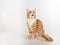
[[27, 9]]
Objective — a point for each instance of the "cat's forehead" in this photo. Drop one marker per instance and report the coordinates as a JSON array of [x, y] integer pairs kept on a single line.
[[31, 11]]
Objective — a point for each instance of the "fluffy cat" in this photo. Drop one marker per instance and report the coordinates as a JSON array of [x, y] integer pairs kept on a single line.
[[35, 26]]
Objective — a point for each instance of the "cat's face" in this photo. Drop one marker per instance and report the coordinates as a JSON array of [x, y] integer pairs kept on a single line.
[[31, 13]]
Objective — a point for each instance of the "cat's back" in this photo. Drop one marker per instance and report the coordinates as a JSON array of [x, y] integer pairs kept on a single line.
[[37, 24]]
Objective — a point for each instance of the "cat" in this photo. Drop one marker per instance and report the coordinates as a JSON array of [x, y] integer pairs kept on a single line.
[[35, 26]]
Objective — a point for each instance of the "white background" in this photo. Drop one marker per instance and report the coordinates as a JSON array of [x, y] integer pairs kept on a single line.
[[13, 28]]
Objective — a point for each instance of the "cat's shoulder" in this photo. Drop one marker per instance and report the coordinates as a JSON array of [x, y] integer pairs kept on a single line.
[[38, 20]]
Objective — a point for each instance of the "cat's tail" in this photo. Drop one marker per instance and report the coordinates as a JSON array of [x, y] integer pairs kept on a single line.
[[47, 38]]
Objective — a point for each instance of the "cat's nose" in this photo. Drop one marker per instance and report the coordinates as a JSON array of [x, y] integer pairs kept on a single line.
[[32, 15]]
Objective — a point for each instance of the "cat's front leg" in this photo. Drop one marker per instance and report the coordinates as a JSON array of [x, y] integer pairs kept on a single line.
[[30, 36], [30, 33]]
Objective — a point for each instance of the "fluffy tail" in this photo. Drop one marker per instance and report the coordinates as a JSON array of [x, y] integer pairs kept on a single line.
[[47, 38]]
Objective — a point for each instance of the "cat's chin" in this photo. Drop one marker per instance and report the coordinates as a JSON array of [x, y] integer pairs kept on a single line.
[[32, 18]]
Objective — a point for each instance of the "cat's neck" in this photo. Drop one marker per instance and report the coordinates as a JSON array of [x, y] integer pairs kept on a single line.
[[31, 19]]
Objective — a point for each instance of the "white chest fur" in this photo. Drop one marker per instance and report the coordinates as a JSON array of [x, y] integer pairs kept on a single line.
[[31, 21]]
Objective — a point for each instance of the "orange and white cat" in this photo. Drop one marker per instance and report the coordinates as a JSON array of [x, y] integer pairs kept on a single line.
[[35, 26]]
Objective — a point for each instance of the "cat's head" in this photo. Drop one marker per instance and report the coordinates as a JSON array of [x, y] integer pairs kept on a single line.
[[31, 13]]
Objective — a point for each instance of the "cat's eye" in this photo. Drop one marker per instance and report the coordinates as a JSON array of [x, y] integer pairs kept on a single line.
[[33, 11], [30, 11]]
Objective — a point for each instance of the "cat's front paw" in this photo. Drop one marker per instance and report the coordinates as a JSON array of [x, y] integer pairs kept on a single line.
[[29, 37]]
